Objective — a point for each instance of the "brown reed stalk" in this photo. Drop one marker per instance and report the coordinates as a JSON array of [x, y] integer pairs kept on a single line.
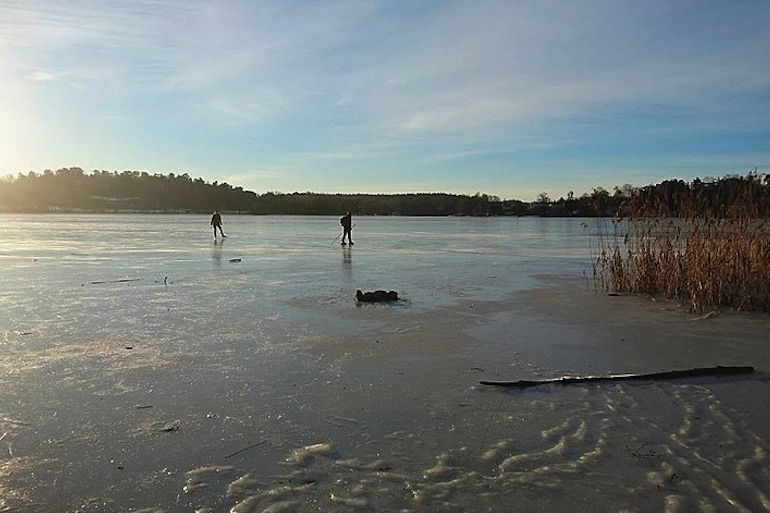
[[706, 248]]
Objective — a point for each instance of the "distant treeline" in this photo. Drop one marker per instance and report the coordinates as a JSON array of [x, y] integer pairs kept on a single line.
[[75, 190]]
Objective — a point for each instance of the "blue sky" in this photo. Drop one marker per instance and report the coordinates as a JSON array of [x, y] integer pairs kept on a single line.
[[505, 97]]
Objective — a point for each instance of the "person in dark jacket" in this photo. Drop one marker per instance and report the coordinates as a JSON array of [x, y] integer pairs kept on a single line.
[[216, 222], [347, 226]]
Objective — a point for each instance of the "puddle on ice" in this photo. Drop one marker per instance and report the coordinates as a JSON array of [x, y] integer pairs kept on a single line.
[[143, 370]]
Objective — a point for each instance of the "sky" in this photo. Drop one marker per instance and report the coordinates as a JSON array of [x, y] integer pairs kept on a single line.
[[510, 98]]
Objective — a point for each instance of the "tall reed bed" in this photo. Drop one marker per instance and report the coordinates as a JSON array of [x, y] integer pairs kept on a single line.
[[703, 249]]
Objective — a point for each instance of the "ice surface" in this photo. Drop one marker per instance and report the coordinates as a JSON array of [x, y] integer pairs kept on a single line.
[[147, 366], [162, 278]]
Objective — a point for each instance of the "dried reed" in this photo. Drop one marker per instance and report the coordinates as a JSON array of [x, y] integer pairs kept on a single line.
[[704, 250]]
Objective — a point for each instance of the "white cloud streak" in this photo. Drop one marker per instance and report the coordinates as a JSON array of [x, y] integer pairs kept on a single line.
[[372, 79], [486, 63], [515, 62]]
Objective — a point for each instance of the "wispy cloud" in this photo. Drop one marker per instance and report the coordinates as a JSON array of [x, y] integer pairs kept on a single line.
[[460, 67], [40, 76], [504, 63], [313, 87]]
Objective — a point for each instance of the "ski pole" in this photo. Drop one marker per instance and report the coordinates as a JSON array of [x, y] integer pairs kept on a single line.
[[343, 231]]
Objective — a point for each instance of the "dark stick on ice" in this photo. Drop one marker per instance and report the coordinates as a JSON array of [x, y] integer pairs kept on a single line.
[[246, 448], [114, 281], [674, 374]]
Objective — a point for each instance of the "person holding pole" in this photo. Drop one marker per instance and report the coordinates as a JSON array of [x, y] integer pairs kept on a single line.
[[347, 226]]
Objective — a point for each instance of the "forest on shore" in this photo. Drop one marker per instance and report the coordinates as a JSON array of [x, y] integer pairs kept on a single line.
[[75, 190]]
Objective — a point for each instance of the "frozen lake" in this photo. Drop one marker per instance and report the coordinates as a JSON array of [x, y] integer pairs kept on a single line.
[[147, 366], [286, 257]]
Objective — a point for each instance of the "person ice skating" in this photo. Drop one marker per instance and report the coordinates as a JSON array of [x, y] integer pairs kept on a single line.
[[347, 226], [216, 222]]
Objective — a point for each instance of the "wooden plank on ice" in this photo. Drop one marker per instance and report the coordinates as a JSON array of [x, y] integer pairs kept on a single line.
[[672, 374]]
